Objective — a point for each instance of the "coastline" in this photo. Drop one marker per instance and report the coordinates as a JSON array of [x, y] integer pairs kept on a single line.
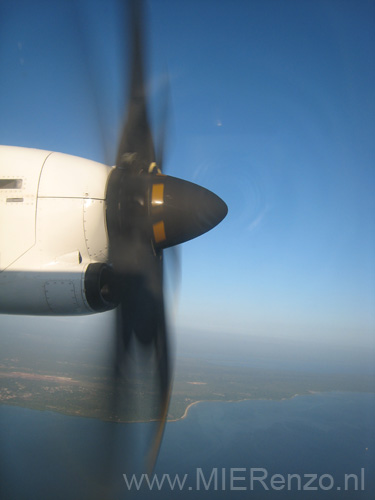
[[187, 410], [183, 416]]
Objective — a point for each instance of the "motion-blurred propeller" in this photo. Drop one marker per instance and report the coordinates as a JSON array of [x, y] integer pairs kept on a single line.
[[147, 212]]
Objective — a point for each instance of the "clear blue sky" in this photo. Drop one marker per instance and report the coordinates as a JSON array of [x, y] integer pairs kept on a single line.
[[273, 109]]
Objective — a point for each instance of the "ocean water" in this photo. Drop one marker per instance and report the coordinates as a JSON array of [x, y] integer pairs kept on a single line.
[[239, 450]]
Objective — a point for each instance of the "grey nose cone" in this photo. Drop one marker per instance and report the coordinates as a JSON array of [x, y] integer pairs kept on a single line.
[[182, 211]]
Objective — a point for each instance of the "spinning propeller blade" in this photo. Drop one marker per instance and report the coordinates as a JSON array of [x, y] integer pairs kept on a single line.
[[146, 213]]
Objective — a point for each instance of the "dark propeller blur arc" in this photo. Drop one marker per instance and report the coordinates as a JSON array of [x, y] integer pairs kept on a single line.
[[147, 212], [136, 135], [137, 265]]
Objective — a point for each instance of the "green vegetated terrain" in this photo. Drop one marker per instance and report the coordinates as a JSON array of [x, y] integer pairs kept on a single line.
[[42, 375], [207, 381]]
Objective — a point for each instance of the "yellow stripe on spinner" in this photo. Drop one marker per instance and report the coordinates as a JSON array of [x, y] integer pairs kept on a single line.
[[157, 197], [159, 231]]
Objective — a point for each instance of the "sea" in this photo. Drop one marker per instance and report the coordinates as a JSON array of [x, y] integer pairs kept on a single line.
[[307, 447]]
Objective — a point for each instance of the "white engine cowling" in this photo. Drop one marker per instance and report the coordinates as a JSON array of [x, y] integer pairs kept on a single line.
[[52, 233]]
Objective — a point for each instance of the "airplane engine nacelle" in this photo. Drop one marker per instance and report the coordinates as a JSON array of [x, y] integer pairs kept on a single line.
[[53, 236], [83, 291]]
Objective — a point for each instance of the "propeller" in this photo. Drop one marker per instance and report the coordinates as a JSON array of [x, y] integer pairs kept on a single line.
[[147, 212]]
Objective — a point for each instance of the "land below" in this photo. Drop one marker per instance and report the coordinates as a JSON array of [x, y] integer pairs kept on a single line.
[[80, 394], [47, 375]]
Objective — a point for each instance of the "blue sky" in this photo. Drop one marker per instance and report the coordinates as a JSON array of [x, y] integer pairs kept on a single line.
[[272, 108]]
